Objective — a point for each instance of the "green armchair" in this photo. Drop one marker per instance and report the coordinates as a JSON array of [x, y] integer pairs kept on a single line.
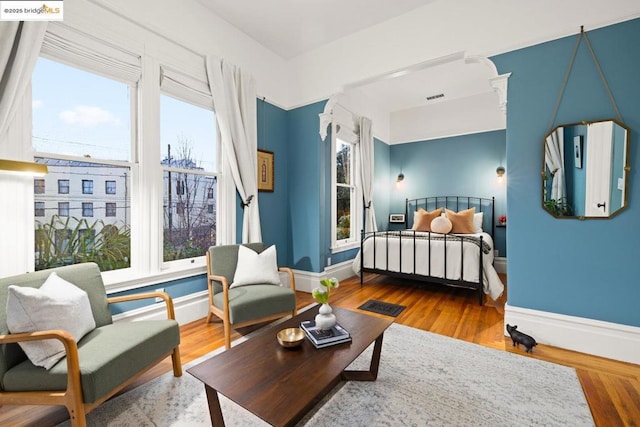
[[244, 305], [99, 365]]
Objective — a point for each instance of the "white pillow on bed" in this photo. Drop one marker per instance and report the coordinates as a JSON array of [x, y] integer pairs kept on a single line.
[[477, 221], [441, 225]]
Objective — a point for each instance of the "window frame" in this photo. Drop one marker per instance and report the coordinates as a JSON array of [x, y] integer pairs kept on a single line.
[[87, 186], [222, 235], [147, 267], [60, 182], [108, 189], [356, 196]]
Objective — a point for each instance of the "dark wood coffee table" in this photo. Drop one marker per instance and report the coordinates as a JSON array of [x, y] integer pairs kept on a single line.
[[280, 385]]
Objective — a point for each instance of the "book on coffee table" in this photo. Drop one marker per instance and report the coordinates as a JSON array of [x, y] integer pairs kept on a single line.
[[323, 338]]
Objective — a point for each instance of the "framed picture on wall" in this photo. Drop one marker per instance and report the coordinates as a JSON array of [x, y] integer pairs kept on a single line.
[[265, 170], [396, 218]]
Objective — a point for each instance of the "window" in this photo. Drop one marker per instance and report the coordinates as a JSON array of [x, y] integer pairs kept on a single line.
[[180, 187], [110, 209], [110, 187], [86, 105], [63, 186], [87, 186], [346, 204], [87, 209], [38, 186], [188, 144], [63, 209], [39, 207], [83, 123]]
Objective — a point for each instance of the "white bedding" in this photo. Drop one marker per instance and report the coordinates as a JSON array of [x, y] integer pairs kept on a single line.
[[492, 284]]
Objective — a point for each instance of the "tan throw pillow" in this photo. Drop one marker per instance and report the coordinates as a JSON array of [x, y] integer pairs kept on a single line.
[[422, 219], [462, 221]]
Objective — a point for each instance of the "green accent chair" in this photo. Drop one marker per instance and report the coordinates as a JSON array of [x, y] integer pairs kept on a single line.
[[244, 305], [97, 367]]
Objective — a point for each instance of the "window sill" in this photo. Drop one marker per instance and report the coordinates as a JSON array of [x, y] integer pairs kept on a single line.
[[345, 247], [136, 281]]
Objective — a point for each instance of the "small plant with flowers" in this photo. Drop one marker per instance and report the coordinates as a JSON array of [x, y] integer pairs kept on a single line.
[[321, 294]]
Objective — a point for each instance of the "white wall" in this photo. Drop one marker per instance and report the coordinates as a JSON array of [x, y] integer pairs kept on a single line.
[[437, 30], [457, 117], [186, 23]]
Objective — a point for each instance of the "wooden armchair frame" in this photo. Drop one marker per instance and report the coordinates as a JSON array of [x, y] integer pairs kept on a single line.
[[224, 313], [71, 397]]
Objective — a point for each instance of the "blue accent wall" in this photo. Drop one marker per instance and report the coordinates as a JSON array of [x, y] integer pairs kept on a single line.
[[585, 268], [305, 173], [175, 289], [274, 213], [383, 183], [456, 166]]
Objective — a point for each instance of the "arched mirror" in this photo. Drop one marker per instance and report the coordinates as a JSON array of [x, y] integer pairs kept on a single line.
[[585, 169]]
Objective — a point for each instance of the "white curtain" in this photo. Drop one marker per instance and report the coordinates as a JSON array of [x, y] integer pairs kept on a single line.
[[366, 173], [554, 158], [234, 100], [20, 44]]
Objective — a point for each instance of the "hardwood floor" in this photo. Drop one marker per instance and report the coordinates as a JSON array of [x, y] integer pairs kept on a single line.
[[612, 388]]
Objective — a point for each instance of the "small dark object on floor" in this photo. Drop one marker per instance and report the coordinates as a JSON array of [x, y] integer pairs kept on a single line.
[[519, 338], [382, 307]]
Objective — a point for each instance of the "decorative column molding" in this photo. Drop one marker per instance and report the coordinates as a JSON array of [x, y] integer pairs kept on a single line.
[[326, 117], [499, 85]]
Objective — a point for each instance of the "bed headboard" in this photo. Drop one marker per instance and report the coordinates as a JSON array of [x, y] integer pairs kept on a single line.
[[454, 203]]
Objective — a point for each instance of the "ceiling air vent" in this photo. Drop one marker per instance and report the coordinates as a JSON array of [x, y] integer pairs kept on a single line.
[[432, 97]]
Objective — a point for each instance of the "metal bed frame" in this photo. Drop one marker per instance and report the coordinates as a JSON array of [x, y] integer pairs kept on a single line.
[[482, 204]]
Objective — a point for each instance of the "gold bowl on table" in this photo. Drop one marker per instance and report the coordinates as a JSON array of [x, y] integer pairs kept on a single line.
[[291, 337]]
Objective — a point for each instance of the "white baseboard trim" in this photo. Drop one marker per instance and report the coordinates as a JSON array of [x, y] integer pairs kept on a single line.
[[306, 281], [500, 264], [605, 339], [192, 307], [188, 308]]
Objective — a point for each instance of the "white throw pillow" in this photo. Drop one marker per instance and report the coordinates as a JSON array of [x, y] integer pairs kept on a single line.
[[477, 221], [57, 304], [441, 224], [256, 268]]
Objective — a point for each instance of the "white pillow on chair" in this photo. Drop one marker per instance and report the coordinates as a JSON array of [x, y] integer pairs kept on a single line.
[[57, 304], [256, 268]]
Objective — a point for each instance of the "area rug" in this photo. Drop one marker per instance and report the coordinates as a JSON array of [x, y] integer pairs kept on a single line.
[[382, 307], [424, 380]]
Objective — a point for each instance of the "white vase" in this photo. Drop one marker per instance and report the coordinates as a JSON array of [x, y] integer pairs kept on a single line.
[[325, 319]]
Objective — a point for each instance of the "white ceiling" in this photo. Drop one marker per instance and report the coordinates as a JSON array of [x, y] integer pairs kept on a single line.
[[292, 27]]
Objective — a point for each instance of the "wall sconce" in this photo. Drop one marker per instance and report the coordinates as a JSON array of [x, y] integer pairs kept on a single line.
[[14, 167], [399, 180], [500, 171]]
